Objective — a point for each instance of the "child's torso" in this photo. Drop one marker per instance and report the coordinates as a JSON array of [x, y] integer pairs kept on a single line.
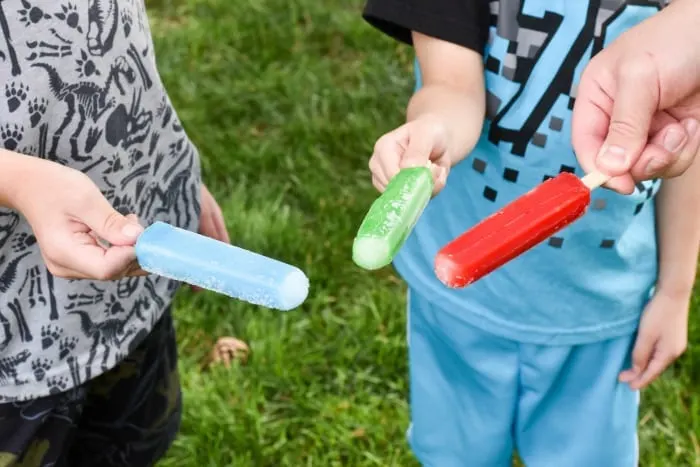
[[589, 281], [80, 86]]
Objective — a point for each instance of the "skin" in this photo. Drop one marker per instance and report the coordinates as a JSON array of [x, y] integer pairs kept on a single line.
[[444, 121], [663, 331], [444, 117], [211, 220], [638, 102], [68, 214]]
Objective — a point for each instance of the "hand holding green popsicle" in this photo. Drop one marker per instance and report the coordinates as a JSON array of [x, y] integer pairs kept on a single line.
[[391, 218]]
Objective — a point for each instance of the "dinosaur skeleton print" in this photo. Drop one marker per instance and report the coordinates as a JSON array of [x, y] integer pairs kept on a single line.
[[80, 87]]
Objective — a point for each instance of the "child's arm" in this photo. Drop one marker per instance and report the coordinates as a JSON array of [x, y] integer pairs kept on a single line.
[[453, 93], [445, 116], [663, 331], [678, 221]]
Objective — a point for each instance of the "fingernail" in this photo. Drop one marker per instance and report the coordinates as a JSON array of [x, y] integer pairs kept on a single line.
[[691, 126], [655, 166], [673, 140], [132, 230], [613, 157]]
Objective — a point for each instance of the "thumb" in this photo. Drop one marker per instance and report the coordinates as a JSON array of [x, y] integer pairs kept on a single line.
[[635, 102], [112, 226]]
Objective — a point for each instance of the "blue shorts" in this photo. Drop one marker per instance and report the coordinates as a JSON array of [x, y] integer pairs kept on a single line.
[[476, 398]]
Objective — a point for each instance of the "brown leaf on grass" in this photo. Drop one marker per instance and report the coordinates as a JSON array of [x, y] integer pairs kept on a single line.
[[227, 350]]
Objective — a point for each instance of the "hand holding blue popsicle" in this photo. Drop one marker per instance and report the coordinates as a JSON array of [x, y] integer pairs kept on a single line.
[[217, 266]]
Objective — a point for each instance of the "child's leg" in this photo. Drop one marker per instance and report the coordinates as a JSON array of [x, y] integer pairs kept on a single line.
[[464, 386], [36, 433], [132, 413], [572, 409]]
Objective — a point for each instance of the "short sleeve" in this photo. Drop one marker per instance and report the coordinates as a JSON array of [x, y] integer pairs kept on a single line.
[[462, 22]]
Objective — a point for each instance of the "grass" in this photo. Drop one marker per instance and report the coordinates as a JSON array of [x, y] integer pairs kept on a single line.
[[284, 99]]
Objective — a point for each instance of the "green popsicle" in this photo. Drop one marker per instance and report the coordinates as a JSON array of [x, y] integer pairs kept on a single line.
[[391, 218]]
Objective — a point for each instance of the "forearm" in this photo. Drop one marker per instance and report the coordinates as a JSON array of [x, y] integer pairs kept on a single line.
[[453, 91], [14, 169], [678, 225]]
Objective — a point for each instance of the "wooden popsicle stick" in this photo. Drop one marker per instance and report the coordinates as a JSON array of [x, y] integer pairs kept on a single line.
[[594, 180]]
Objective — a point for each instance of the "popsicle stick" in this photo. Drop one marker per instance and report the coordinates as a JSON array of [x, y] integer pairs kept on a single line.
[[594, 180]]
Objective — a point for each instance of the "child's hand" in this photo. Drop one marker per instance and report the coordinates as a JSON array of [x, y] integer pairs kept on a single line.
[[68, 213], [211, 220], [662, 338], [413, 144]]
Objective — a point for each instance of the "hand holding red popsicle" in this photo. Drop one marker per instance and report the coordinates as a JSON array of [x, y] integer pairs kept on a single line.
[[638, 102]]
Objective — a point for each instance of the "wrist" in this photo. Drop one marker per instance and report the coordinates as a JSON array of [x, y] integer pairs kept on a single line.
[[13, 170], [674, 289]]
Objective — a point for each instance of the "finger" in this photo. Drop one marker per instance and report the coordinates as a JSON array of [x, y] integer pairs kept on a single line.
[[421, 146], [689, 152], [661, 152], [643, 350], [109, 224], [133, 218], [220, 224], [380, 185], [439, 173], [206, 226], [635, 103], [388, 152], [379, 178], [212, 218], [589, 123], [670, 152], [82, 254], [661, 120], [657, 366], [589, 128]]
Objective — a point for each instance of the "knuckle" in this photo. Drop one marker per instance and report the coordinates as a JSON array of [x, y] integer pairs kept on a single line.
[[104, 274], [373, 162], [432, 126], [625, 128], [381, 144], [111, 221], [54, 269]]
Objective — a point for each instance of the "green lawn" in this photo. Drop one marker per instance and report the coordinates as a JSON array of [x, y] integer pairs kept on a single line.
[[284, 99]]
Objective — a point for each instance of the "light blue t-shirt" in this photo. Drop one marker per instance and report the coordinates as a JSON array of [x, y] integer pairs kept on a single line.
[[589, 282]]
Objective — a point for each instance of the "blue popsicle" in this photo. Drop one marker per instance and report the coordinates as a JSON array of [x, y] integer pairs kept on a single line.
[[217, 266]]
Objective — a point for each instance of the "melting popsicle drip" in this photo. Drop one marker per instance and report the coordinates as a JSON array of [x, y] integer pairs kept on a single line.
[[201, 261], [516, 228], [391, 218]]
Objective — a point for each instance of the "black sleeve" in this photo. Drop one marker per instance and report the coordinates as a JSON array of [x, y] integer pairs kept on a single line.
[[462, 22]]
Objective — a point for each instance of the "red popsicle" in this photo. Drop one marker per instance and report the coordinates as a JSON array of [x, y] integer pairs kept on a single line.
[[516, 228]]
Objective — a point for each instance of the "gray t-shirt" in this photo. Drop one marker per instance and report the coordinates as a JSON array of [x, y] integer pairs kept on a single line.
[[79, 85]]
